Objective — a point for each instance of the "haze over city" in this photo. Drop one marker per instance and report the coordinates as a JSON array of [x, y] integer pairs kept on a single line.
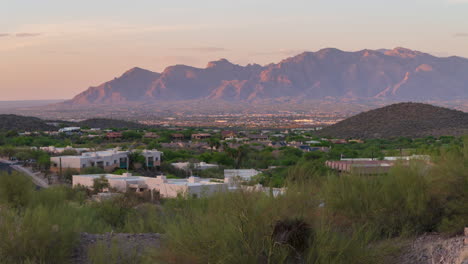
[[56, 49]]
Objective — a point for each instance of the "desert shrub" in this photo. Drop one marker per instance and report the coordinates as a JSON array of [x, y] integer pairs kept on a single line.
[[144, 219], [16, 189], [58, 195], [251, 227], [43, 235], [393, 204], [68, 173], [101, 183], [448, 187], [92, 170]]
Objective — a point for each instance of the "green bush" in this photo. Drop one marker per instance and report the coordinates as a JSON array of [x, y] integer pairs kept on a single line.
[[16, 189]]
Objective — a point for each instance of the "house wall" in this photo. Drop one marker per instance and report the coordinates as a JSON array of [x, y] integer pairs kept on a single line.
[[82, 180]]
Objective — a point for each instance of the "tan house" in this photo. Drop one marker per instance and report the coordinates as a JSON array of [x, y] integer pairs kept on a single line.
[[169, 188]]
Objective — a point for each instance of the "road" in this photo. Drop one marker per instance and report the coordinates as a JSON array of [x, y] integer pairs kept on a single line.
[[7, 165]]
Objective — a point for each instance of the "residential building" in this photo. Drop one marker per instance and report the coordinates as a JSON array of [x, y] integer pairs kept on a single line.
[[243, 174], [228, 134], [200, 136], [150, 135], [113, 135], [153, 158], [198, 166], [55, 150], [107, 160], [258, 137], [178, 136], [168, 188], [70, 130], [361, 167]]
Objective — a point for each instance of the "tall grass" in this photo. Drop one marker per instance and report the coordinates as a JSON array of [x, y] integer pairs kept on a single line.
[[240, 227]]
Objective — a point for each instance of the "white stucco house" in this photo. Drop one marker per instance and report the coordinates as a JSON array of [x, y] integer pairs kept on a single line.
[[108, 160], [168, 188]]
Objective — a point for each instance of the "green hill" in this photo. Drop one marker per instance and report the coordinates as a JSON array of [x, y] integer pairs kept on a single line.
[[401, 120], [23, 123]]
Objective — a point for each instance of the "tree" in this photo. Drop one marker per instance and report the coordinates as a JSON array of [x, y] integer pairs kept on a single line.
[[101, 183], [136, 159], [7, 151], [131, 135], [43, 162], [68, 174]]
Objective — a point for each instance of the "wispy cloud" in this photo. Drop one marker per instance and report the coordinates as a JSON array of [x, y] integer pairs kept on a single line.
[[4, 35], [203, 49], [104, 28], [461, 35], [27, 35]]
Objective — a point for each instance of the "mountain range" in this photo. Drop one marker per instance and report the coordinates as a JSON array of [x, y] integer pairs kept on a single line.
[[396, 74]]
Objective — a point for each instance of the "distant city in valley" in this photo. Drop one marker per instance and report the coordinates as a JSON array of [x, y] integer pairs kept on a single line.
[[312, 89]]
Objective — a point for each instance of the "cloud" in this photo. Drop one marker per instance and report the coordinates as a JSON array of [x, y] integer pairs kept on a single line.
[[461, 35], [203, 49], [4, 35], [27, 35]]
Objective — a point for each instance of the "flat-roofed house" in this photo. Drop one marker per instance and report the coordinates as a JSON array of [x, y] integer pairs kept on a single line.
[[152, 157], [244, 174], [361, 167], [169, 188], [107, 160]]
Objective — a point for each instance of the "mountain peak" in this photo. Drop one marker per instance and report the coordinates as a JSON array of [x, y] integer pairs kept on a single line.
[[219, 63], [135, 70], [403, 52]]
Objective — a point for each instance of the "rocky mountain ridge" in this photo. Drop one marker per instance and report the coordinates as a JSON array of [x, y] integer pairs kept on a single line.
[[397, 74]]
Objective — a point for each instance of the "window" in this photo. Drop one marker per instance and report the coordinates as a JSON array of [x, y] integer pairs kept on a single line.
[[107, 163], [115, 161], [83, 166]]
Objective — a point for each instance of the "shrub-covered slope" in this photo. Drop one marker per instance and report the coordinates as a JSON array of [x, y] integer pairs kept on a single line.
[[401, 120]]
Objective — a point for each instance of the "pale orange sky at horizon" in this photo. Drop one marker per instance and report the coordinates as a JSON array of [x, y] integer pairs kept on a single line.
[[55, 50]]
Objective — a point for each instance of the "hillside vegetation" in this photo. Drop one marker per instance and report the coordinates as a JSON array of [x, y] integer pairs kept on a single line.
[[322, 218], [23, 123], [104, 123], [26, 123], [401, 120]]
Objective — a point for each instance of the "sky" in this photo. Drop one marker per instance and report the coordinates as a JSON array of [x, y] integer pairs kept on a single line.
[[55, 49]]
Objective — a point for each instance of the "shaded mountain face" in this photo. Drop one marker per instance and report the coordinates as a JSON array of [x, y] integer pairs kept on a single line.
[[399, 74], [401, 120]]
